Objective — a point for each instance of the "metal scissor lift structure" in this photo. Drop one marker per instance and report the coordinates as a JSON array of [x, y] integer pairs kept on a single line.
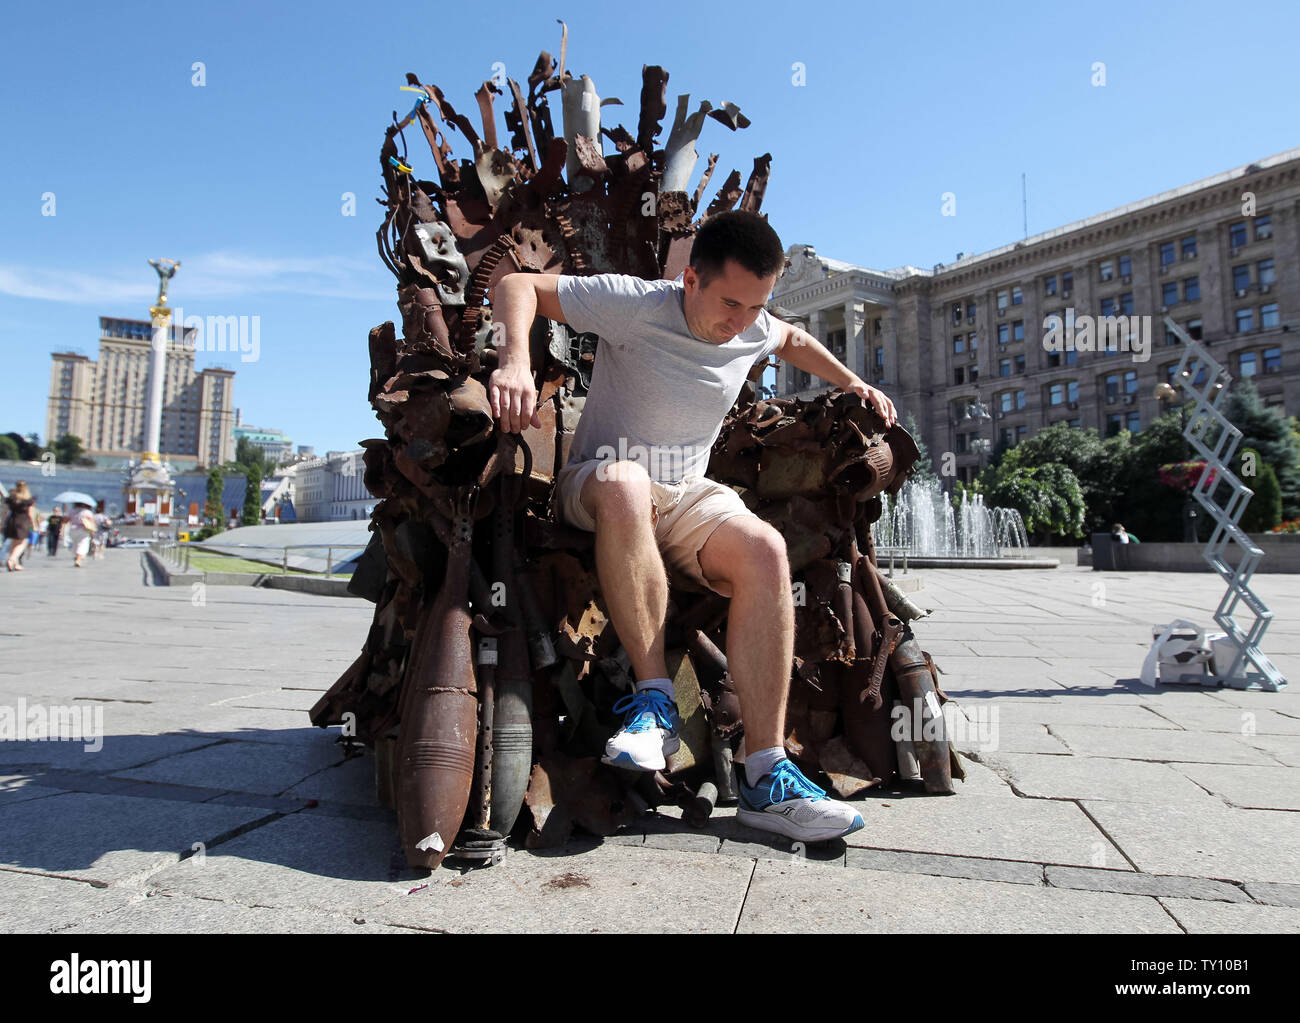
[[1200, 433]]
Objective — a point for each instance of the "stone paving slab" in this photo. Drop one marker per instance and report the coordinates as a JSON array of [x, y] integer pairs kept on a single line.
[[351, 781], [1261, 788], [1078, 777], [181, 914], [35, 903], [325, 863], [1232, 918], [1128, 882], [1016, 738], [1235, 720], [260, 767], [277, 699], [118, 752], [1082, 711], [1240, 845], [1041, 831], [945, 866], [807, 898], [1280, 749], [607, 889], [1275, 894], [109, 838], [1158, 744]]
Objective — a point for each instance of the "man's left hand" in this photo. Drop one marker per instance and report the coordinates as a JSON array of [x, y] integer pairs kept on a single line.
[[877, 399]]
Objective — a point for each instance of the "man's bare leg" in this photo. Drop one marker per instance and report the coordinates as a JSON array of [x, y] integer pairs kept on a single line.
[[628, 563], [749, 555]]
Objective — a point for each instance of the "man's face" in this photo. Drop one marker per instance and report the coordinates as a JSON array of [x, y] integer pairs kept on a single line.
[[727, 305]]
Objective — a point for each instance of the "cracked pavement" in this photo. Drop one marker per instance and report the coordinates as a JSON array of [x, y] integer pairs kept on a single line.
[[213, 805]]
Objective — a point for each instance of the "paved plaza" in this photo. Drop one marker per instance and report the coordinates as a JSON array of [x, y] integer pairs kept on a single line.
[[1092, 804]]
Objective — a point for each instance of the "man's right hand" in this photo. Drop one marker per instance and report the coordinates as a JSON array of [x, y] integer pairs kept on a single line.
[[513, 397]]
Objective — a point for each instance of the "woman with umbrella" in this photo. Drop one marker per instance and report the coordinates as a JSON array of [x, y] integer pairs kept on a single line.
[[81, 522]]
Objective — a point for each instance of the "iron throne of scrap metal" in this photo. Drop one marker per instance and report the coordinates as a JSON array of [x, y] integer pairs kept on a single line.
[[487, 679], [1215, 439]]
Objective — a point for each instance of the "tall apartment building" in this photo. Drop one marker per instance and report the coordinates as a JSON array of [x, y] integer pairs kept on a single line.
[[1220, 256], [105, 402]]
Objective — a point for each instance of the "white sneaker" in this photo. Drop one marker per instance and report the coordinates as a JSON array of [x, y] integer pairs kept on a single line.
[[786, 802], [649, 733]]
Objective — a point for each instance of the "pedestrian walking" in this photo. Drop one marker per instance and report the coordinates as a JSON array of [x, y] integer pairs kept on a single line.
[[81, 528], [19, 521], [54, 529]]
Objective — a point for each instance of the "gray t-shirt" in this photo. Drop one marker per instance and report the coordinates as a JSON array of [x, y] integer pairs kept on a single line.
[[658, 393]]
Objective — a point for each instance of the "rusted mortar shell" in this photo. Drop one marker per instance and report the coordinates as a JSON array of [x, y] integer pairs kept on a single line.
[[439, 717], [512, 740], [916, 689], [899, 603]]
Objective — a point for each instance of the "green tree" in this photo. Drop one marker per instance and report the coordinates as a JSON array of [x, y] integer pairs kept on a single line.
[[29, 447], [248, 455], [1268, 432], [1148, 508], [1264, 511], [924, 470], [1048, 497], [253, 498], [1097, 464], [9, 450], [68, 449], [213, 508]]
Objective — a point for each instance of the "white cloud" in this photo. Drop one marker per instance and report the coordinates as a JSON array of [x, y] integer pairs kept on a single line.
[[213, 275]]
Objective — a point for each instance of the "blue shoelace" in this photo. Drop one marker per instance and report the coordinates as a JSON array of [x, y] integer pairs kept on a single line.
[[788, 782], [646, 709]]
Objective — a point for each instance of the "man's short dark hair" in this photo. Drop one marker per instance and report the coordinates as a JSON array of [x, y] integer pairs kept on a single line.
[[740, 235]]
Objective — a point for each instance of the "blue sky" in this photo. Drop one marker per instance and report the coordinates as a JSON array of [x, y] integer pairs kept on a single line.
[[242, 178]]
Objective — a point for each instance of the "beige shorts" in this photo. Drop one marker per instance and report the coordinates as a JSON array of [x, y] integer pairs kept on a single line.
[[684, 515]]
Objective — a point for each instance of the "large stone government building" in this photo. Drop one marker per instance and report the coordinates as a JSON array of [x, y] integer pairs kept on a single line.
[[1220, 256], [105, 403]]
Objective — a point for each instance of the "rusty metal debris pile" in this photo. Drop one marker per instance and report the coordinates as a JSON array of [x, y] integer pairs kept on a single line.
[[486, 682]]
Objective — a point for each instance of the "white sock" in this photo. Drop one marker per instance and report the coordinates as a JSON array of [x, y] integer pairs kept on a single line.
[[664, 685], [760, 762]]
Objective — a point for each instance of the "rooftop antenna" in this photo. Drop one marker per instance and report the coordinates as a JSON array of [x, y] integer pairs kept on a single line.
[[1024, 203]]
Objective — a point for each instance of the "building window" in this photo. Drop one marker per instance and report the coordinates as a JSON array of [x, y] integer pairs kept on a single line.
[[1049, 285], [1107, 307], [1263, 227], [1020, 364], [1166, 253], [1112, 386], [958, 344], [959, 375], [1193, 328], [1240, 278], [1004, 367], [1169, 293], [1192, 289], [956, 313], [1114, 422], [1006, 401], [1133, 422], [1125, 266], [1018, 330], [1020, 399], [1268, 315], [974, 373], [970, 311], [1106, 269], [962, 443], [1273, 360], [1067, 283], [1004, 332], [1053, 359], [1126, 303], [1245, 320], [1056, 394], [1003, 297], [880, 358], [1237, 235], [836, 341], [1264, 268], [1189, 247], [1017, 296], [1247, 364], [972, 341]]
